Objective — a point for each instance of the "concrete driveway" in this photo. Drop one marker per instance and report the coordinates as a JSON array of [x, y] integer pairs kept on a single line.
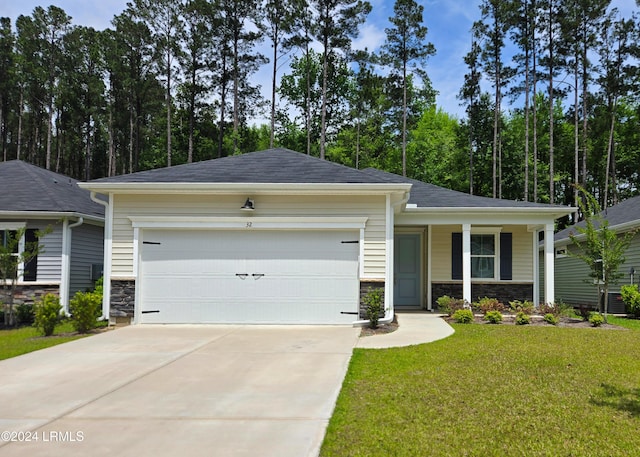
[[176, 391]]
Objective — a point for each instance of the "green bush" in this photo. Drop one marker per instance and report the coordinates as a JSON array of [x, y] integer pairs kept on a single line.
[[448, 305], [522, 318], [631, 299], [596, 319], [526, 307], [487, 305], [493, 317], [463, 316], [551, 318], [374, 302], [85, 308], [25, 314], [47, 314]]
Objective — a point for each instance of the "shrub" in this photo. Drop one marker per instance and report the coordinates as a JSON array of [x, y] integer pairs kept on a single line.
[[487, 304], [47, 314], [584, 311], [463, 316], [631, 299], [552, 319], [85, 308], [526, 307], [522, 318], [493, 317], [557, 309], [25, 314], [448, 305], [596, 319], [374, 303]]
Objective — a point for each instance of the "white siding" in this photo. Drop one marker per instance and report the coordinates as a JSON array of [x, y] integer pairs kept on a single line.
[[266, 206], [87, 247]]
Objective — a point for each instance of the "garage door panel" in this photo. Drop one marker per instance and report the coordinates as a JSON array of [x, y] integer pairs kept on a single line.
[[191, 276]]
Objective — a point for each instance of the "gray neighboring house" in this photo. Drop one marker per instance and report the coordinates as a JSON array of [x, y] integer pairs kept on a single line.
[[281, 237], [572, 282], [37, 199]]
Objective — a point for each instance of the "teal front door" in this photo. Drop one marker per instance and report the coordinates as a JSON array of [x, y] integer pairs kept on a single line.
[[406, 291]]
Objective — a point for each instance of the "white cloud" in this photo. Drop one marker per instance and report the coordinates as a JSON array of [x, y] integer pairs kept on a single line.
[[371, 37]]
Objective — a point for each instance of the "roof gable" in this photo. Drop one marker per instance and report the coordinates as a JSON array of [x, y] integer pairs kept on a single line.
[[26, 187], [279, 166]]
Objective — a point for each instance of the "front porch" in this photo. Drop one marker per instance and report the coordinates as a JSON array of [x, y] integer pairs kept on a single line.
[[470, 260]]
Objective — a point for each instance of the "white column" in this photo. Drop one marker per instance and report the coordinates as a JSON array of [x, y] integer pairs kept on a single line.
[[466, 262], [536, 269], [549, 271], [65, 267], [389, 266], [428, 265]]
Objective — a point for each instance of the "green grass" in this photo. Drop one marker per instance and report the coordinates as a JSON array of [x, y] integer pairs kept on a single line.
[[493, 390], [633, 324], [27, 339]]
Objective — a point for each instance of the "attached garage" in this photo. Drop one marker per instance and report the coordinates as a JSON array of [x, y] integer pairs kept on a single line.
[[253, 276]]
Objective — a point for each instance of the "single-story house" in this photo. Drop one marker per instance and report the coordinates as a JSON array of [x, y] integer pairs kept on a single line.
[[39, 200], [573, 284], [277, 236]]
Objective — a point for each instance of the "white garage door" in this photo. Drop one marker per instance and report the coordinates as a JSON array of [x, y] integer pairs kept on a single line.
[[194, 276]]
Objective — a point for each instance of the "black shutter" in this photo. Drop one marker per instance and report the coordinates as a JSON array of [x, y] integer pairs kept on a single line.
[[506, 256], [456, 255], [31, 267]]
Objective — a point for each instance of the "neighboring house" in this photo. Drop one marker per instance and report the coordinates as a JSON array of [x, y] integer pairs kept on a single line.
[[572, 281], [281, 237], [73, 248]]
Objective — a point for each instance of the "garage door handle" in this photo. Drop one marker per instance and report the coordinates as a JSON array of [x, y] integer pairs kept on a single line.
[[257, 275], [242, 275]]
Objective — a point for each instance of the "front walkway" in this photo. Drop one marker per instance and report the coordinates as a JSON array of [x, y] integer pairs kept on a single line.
[[413, 328]]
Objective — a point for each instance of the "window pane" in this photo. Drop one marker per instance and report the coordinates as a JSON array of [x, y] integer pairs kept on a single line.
[[482, 267], [483, 245]]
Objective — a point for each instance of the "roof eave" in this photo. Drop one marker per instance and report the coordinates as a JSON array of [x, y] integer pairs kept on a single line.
[[554, 211], [49, 215], [618, 228], [233, 188]]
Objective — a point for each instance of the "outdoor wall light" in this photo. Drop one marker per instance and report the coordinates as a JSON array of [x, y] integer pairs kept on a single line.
[[248, 205]]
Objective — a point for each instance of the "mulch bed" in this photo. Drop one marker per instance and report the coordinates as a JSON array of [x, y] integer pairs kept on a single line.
[[509, 319], [381, 330]]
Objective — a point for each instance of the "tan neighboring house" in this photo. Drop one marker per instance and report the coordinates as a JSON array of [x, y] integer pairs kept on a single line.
[[277, 236]]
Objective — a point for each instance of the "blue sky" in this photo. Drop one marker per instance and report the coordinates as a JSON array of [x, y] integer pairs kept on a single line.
[[448, 21]]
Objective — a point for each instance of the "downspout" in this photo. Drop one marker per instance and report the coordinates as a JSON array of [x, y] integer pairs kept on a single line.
[[389, 264], [65, 280], [106, 294]]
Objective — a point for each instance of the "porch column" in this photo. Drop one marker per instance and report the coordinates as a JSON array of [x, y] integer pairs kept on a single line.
[[536, 268], [549, 273], [466, 262]]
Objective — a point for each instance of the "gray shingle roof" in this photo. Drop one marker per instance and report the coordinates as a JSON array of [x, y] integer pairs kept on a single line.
[[280, 166], [625, 212], [25, 187], [431, 196]]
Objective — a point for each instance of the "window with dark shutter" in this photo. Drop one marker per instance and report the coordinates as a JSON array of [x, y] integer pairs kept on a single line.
[[456, 255], [506, 256], [31, 267]]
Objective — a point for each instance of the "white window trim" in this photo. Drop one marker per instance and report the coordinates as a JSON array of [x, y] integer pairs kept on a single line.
[[248, 223], [495, 231], [21, 245]]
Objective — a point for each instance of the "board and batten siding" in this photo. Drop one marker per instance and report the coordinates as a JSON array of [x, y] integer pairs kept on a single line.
[[50, 259], [87, 248], [573, 284], [372, 207], [441, 251]]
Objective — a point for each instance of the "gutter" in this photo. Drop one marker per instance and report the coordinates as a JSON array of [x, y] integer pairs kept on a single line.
[[388, 318], [65, 280], [106, 294]]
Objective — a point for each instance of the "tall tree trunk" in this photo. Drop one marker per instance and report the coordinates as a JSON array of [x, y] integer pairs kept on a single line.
[[325, 78], [274, 75], [527, 91], [236, 94], [610, 158], [551, 120], [404, 118], [192, 114], [49, 135], [535, 114], [307, 111], [20, 116], [168, 95]]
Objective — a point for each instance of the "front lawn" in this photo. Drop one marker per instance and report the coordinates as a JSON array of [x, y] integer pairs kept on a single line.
[[493, 390], [19, 341]]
